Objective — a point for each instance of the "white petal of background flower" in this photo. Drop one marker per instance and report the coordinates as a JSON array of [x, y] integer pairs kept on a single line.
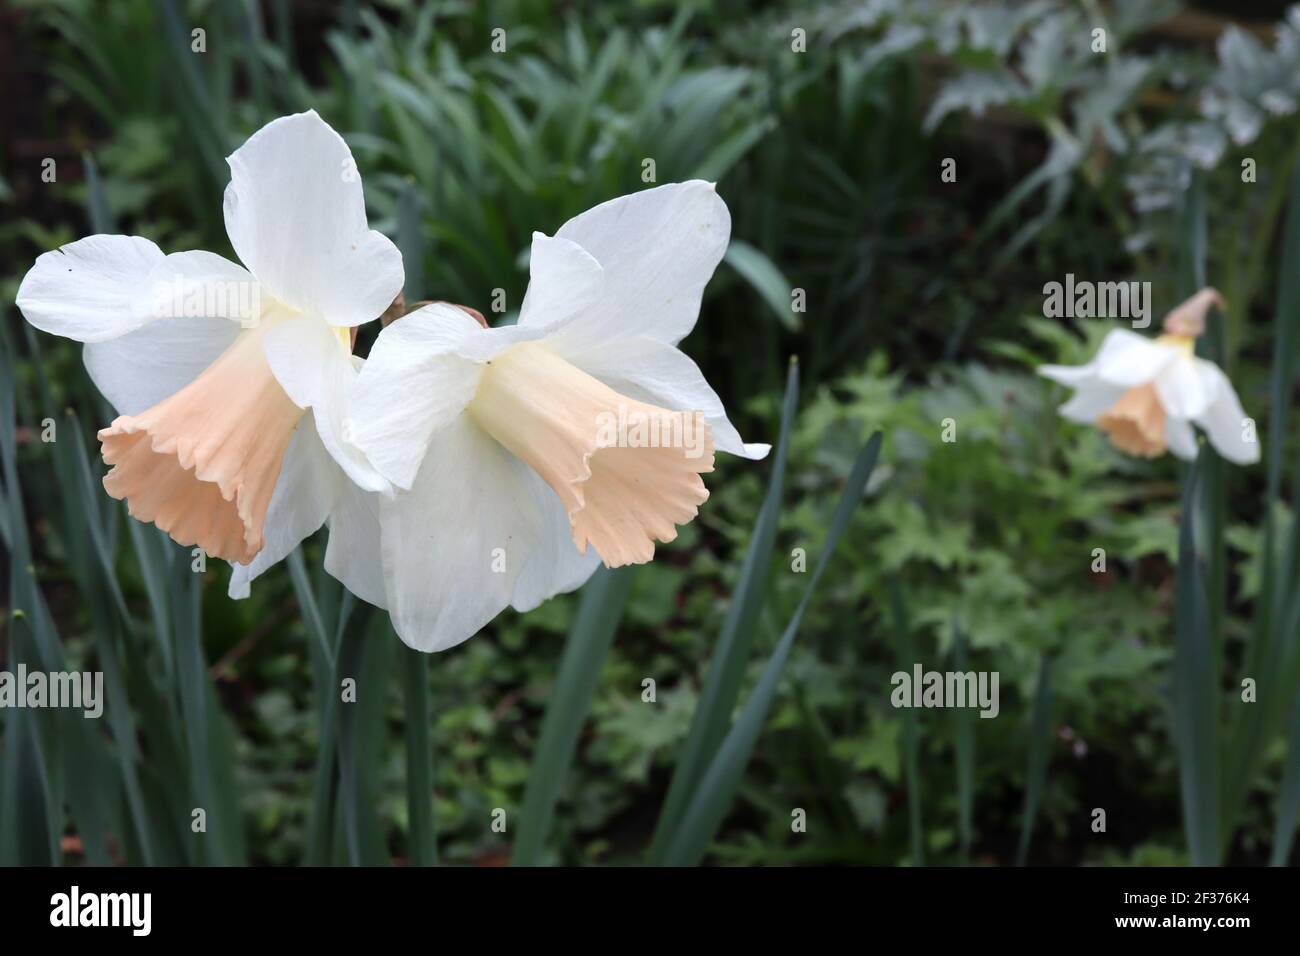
[[1092, 398], [1181, 438], [1071, 375], [1129, 359], [296, 215], [1186, 387], [1224, 422]]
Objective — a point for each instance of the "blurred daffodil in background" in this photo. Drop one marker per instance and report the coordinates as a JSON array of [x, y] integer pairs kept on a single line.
[[1147, 394]]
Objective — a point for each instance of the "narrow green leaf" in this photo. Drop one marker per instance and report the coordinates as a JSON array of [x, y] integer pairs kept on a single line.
[[284, 31], [588, 644], [906, 658], [122, 726], [194, 104], [964, 746], [91, 787], [307, 603], [419, 755], [1196, 694], [91, 490], [765, 279], [325, 786], [33, 830], [354, 623], [712, 799], [1036, 773], [1286, 341], [1288, 797], [255, 39], [152, 553], [97, 211], [1211, 505], [1253, 728], [192, 684], [732, 150], [722, 684], [32, 627], [366, 733], [411, 242]]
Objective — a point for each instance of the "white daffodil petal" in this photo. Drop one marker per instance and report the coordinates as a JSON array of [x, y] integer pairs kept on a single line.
[[138, 370], [304, 493], [1226, 425], [658, 249], [413, 384], [483, 345], [659, 374], [1071, 375], [1091, 399], [1181, 438], [454, 544], [198, 283], [1186, 387], [316, 372], [555, 566], [196, 303], [354, 554], [92, 289], [564, 281], [296, 215], [1129, 359]]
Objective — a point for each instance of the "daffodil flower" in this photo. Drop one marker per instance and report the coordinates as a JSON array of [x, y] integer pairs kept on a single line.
[[1146, 394], [231, 382], [529, 453]]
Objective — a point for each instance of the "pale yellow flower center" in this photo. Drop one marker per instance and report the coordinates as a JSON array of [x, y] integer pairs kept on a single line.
[[1185, 344], [344, 335], [626, 472]]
